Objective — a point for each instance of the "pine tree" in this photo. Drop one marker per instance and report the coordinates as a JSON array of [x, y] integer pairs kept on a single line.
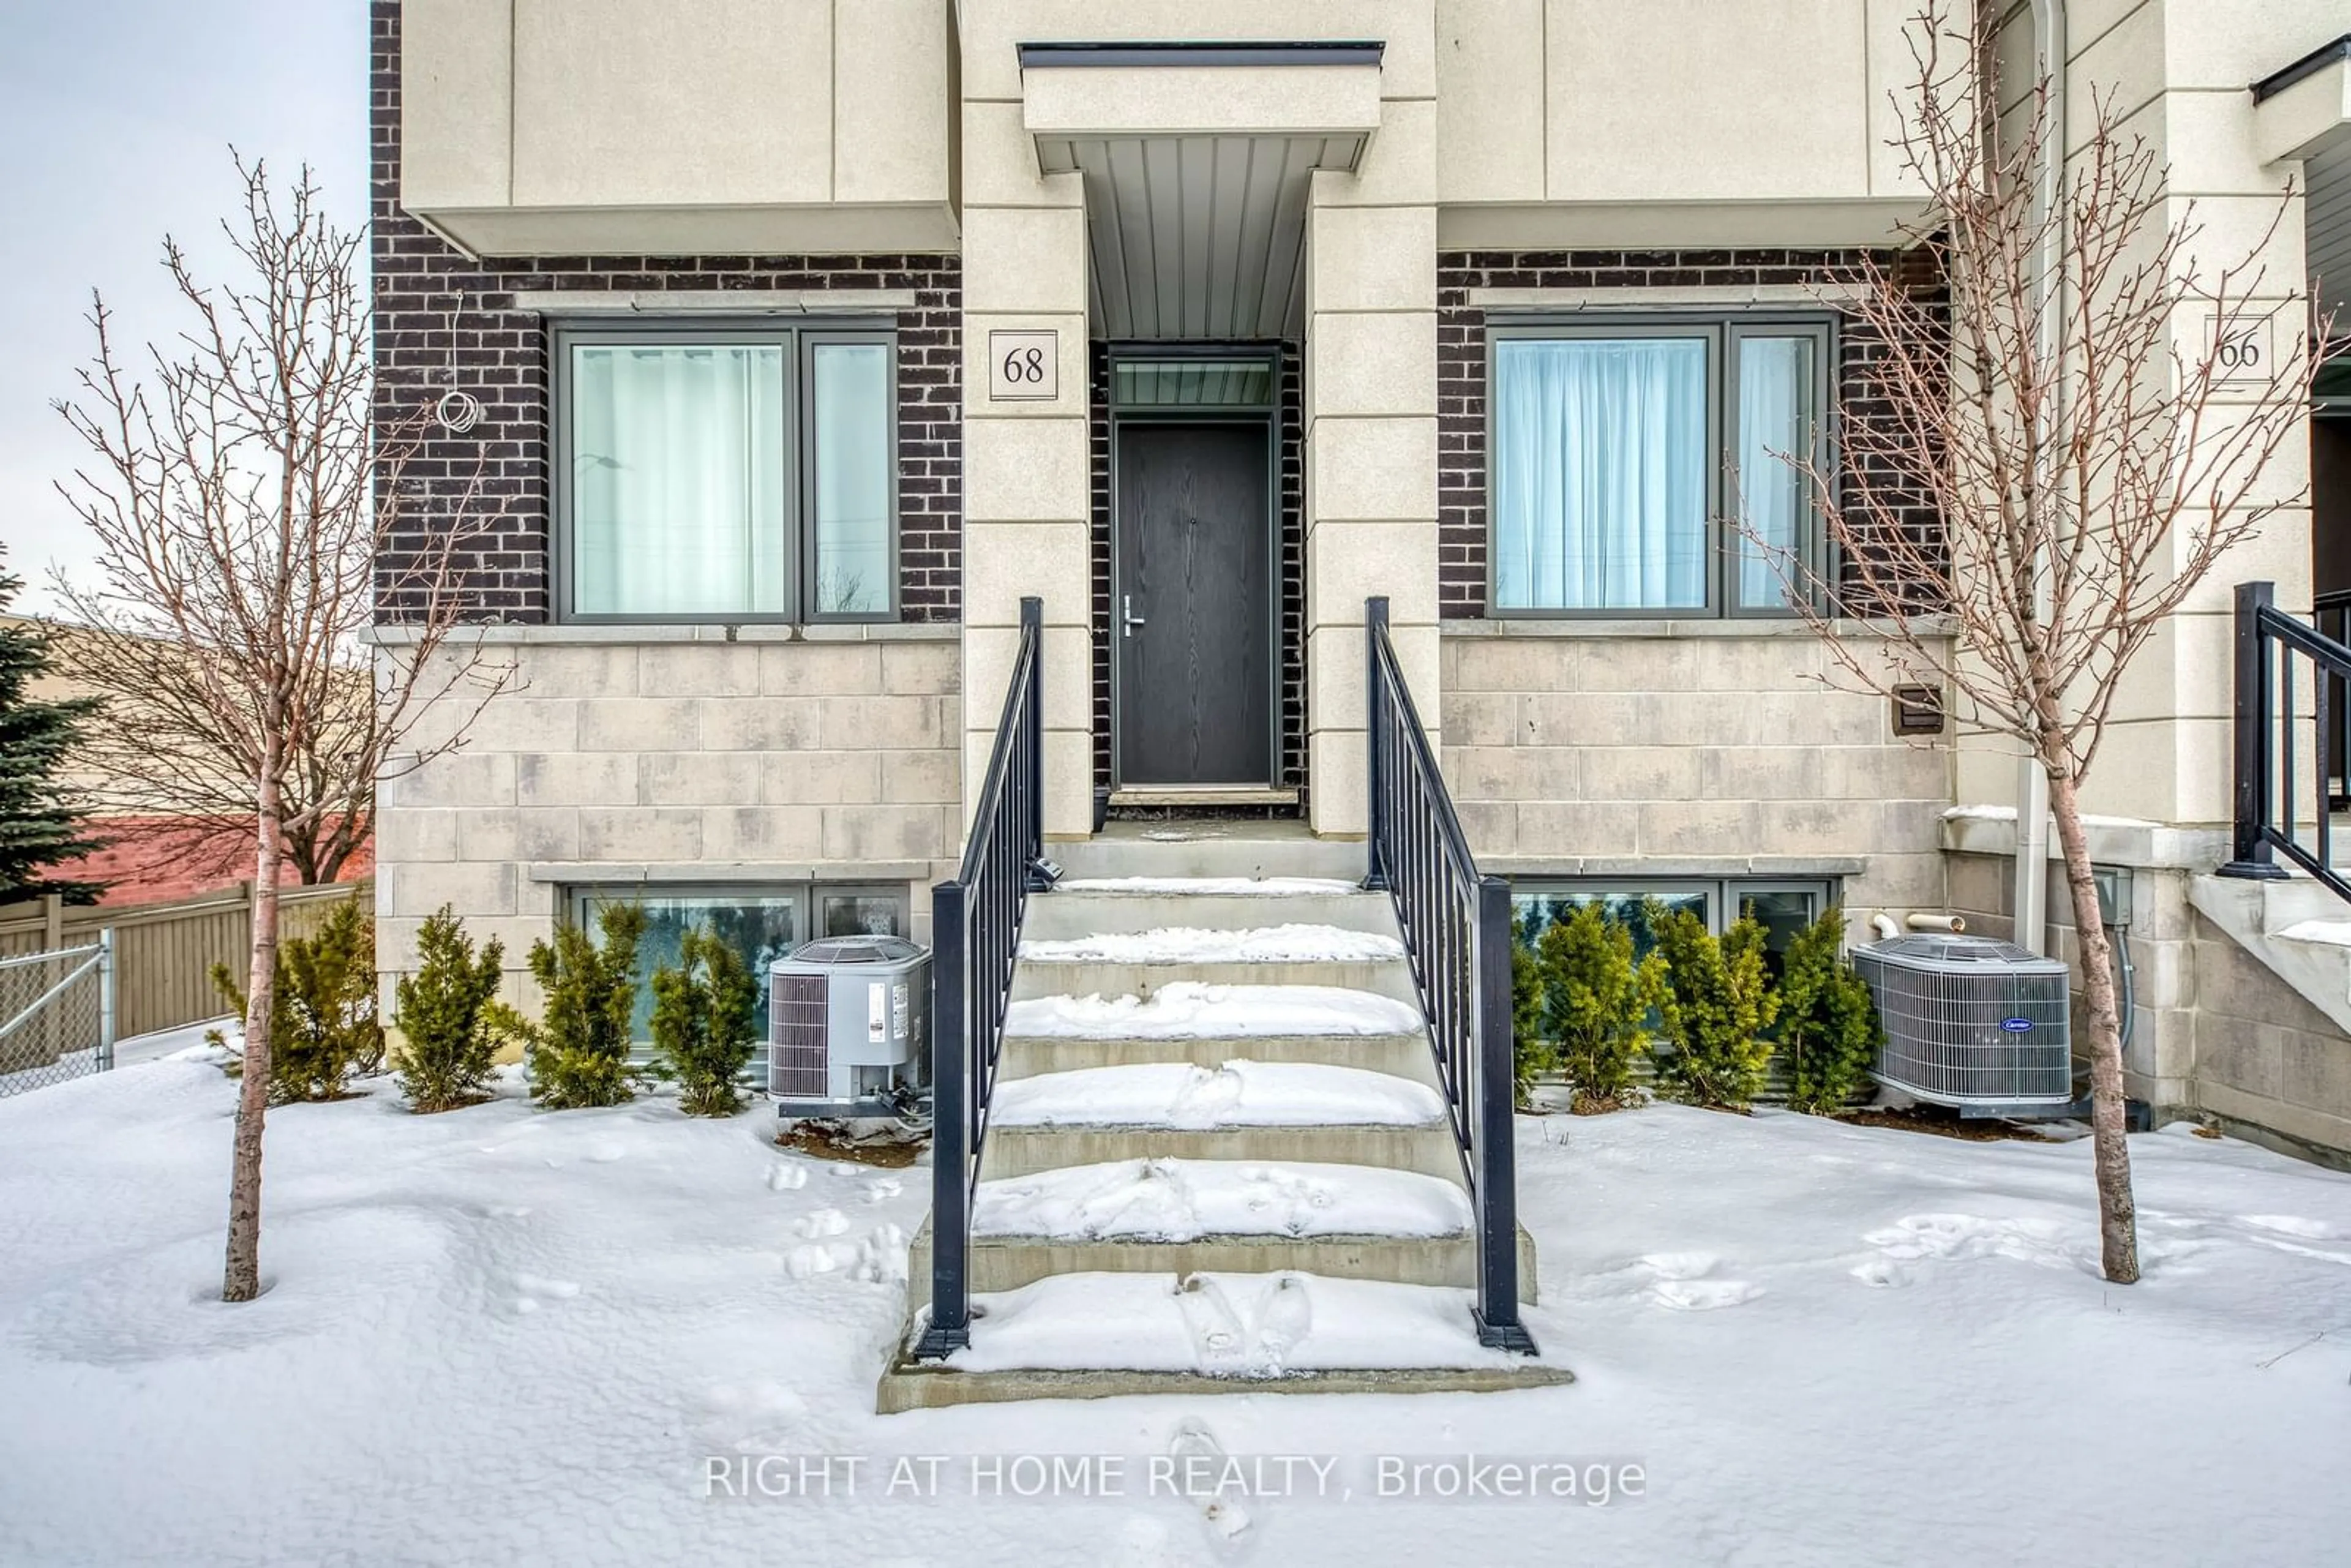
[[1828, 1024], [38, 824], [578, 1052], [1718, 1002], [449, 1018], [324, 1030], [703, 1023], [1597, 1003]]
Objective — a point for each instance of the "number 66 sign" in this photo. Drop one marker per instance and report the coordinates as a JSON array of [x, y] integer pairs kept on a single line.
[[1024, 367], [2241, 348]]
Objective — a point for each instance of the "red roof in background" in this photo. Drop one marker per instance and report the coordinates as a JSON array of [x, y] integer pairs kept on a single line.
[[149, 859]]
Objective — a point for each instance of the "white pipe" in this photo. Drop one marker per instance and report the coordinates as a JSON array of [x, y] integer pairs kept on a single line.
[[1883, 924], [1950, 922], [2049, 42]]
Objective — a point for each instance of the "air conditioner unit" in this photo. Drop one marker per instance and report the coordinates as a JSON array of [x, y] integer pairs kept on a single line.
[[847, 1024], [1970, 1022]]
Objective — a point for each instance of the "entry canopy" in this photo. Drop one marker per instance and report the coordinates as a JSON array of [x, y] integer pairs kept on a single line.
[[2304, 111], [1197, 161]]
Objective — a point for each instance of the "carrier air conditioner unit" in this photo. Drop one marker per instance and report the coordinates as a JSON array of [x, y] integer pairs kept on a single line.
[[847, 1024], [1970, 1022]]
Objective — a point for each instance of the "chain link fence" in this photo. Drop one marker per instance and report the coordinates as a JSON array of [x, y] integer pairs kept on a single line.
[[56, 1015]]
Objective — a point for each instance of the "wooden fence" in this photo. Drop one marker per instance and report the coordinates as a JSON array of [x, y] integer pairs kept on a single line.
[[164, 952]]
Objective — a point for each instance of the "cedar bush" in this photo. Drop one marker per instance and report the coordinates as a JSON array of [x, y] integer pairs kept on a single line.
[[577, 1054], [702, 1022], [1717, 1001], [1596, 1004], [1532, 1053], [1828, 1024], [323, 1030], [450, 1019]]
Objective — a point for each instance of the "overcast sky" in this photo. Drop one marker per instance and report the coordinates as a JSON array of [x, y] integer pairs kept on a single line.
[[116, 117]]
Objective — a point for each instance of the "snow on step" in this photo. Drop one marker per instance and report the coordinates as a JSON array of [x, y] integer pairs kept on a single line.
[[1213, 886], [1224, 1326], [1183, 1201], [1201, 945], [1191, 1009], [1183, 1095]]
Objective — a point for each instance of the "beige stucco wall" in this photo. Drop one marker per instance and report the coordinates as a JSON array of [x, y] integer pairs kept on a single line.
[[1718, 752], [1596, 123], [2176, 71], [671, 757], [624, 126]]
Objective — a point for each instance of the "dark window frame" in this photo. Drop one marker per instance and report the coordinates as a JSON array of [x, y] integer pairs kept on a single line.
[[797, 342], [1722, 330]]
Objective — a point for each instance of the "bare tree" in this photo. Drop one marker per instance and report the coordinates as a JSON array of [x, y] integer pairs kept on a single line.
[[233, 490], [2092, 450]]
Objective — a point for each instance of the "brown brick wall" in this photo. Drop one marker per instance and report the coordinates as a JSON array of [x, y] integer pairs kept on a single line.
[[1461, 371], [444, 322]]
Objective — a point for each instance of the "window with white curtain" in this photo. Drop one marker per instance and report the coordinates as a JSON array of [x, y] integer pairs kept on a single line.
[[1623, 458], [743, 474]]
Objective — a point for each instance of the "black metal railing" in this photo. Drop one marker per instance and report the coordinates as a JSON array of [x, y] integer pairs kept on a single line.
[[2288, 741], [1456, 934], [975, 943], [2331, 613]]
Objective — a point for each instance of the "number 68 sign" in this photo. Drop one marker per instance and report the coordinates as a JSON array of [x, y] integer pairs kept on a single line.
[[1024, 367]]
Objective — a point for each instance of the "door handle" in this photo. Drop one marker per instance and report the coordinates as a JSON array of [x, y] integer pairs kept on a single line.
[[1128, 619]]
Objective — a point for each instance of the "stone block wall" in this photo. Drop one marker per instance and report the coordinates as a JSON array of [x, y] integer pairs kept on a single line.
[[1698, 750], [766, 759]]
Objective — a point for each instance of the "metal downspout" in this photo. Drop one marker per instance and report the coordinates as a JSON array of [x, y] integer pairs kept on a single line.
[[2049, 42]]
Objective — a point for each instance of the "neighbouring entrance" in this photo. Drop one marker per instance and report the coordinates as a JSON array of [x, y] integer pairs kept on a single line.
[[1192, 626]]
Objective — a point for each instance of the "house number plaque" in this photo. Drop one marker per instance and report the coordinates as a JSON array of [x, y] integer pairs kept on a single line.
[[1024, 367]]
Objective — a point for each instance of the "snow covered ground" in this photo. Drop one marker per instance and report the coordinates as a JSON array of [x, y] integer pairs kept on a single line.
[[504, 1336]]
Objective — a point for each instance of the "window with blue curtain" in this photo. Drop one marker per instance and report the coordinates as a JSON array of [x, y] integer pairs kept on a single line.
[[1623, 459], [741, 474]]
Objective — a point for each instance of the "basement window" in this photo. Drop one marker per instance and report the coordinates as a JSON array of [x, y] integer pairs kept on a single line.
[[762, 923], [1619, 451], [724, 475], [1784, 908]]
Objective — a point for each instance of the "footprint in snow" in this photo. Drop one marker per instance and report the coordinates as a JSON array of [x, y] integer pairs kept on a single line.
[[883, 1188], [1218, 1337], [534, 1287], [1285, 1316], [1881, 1273], [1703, 1295], [807, 1262], [782, 1177], [823, 1222], [882, 1256]]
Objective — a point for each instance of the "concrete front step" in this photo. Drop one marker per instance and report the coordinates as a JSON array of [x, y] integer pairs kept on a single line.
[[1008, 1262], [1195, 849], [1402, 1055], [1097, 977], [910, 1384], [1070, 913], [1096, 1334], [1021, 1151]]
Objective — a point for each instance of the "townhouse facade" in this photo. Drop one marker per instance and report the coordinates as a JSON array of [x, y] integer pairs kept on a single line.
[[793, 343]]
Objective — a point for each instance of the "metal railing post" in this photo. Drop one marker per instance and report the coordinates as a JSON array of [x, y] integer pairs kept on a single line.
[[1375, 868], [2249, 849], [950, 1325], [106, 999], [1497, 1208], [1032, 634]]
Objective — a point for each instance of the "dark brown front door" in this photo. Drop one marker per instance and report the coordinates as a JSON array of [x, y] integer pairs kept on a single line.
[[1192, 608]]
